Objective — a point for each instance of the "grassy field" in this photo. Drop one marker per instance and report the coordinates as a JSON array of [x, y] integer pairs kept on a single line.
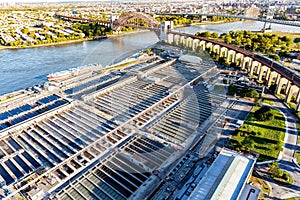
[[265, 137]]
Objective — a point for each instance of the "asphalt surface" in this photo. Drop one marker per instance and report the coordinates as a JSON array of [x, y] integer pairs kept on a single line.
[[239, 111]]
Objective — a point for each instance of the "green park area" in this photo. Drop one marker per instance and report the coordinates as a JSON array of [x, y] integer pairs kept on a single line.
[[263, 131]]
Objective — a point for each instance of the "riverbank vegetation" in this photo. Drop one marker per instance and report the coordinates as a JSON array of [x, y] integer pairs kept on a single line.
[[91, 29], [264, 137], [266, 43], [178, 20], [189, 20]]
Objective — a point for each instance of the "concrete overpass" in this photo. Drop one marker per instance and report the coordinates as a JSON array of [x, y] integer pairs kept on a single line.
[[266, 70]]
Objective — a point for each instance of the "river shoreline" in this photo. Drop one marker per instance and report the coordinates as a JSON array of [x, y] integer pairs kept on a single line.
[[48, 45], [123, 34], [104, 37]]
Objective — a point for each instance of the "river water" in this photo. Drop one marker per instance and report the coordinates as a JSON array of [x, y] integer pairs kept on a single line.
[[22, 68]]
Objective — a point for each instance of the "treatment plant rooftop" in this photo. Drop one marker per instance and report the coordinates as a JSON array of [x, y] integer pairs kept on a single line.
[[226, 178], [107, 133]]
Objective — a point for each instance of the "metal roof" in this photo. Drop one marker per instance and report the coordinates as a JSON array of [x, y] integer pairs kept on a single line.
[[226, 178]]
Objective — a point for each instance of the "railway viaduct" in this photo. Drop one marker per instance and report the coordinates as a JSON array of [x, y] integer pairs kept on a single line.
[[265, 70]]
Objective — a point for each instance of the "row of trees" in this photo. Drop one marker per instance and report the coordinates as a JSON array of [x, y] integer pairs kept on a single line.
[[224, 19], [254, 41], [243, 92], [91, 29], [178, 20]]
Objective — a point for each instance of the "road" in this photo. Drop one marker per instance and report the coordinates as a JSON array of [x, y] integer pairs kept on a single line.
[[239, 111], [285, 159]]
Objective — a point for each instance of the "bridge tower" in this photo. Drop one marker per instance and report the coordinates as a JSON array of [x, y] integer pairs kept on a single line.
[[164, 28], [269, 15], [112, 19]]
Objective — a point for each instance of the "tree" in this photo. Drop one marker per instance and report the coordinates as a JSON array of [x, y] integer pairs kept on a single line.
[[232, 90], [25, 30], [254, 94], [255, 46], [275, 57], [248, 142], [272, 50], [248, 43], [264, 114], [238, 41], [275, 171], [228, 39], [214, 35], [207, 34]]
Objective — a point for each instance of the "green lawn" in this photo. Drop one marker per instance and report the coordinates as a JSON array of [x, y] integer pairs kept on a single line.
[[265, 137]]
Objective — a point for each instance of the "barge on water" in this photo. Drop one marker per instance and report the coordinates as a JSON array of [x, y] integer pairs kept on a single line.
[[73, 72]]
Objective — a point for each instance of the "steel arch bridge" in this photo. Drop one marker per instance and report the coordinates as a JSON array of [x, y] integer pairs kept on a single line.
[[125, 20]]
